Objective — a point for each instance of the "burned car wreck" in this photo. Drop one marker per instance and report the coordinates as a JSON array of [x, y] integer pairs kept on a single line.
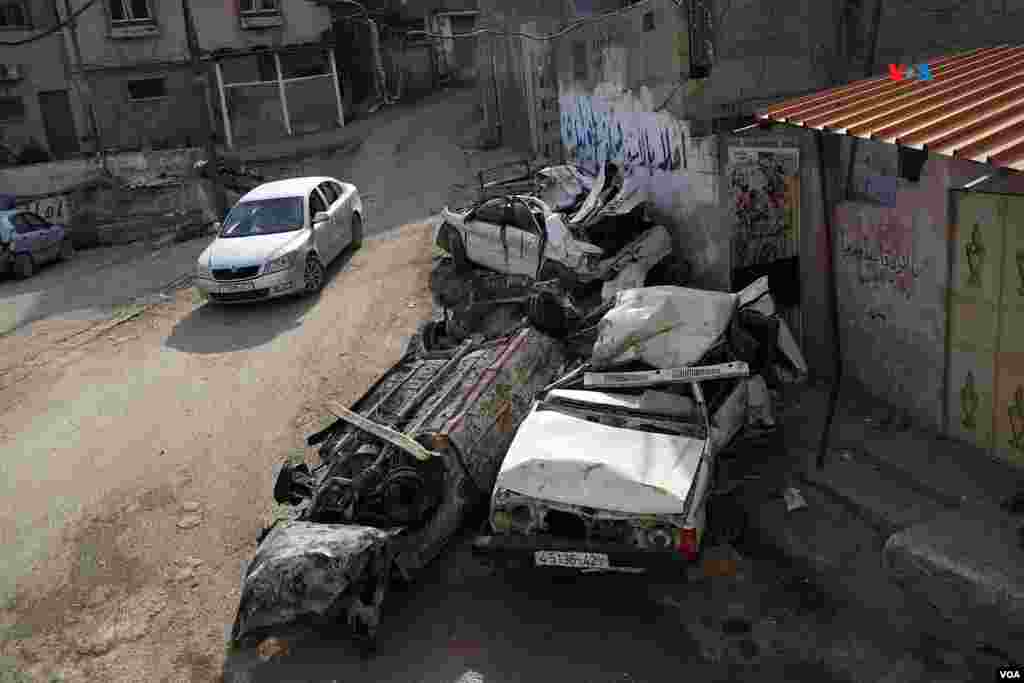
[[398, 473]]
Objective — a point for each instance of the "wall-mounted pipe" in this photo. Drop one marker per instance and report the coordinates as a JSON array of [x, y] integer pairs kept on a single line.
[[833, 304]]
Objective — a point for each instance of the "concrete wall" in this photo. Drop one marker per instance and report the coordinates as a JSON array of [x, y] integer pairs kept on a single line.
[[168, 122], [616, 106], [217, 25], [892, 260], [144, 195], [43, 64]]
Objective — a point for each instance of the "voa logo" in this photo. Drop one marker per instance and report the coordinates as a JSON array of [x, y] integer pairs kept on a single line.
[[1009, 674]]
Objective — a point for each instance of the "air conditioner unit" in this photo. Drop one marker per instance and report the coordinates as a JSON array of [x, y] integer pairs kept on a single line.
[[11, 72]]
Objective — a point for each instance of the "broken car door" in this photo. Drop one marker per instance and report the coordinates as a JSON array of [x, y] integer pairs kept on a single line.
[[482, 234], [523, 242]]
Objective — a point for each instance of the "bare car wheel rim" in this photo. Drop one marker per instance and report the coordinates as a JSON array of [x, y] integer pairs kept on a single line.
[[314, 275]]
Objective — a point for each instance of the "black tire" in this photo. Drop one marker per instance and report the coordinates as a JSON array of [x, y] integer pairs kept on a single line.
[[24, 266], [357, 231], [67, 249], [552, 270], [315, 275]]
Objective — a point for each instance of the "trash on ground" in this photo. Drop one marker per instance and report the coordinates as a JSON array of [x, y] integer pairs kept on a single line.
[[563, 187], [794, 500]]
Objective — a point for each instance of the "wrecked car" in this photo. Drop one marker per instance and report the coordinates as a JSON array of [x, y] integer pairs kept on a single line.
[[517, 235], [614, 480], [398, 473], [611, 470], [521, 235]]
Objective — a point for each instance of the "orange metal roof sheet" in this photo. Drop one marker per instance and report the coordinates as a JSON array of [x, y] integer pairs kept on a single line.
[[972, 108]]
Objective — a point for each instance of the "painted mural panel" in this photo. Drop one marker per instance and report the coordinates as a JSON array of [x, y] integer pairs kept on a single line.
[[1009, 417], [988, 275], [597, 129], [763, 193], [971, 378], [1009, 409]]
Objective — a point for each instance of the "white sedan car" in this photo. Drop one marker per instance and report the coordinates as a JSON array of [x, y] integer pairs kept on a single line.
[[279, 239], [517, 235]]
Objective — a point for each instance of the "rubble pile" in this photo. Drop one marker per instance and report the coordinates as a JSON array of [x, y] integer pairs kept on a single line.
[[556, 290]]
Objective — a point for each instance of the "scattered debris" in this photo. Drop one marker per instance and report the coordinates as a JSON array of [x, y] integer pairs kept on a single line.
[[271, 648], [190, 521], [794, 500]]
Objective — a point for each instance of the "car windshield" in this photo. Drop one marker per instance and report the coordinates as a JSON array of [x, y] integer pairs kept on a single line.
[[645, 411], [264, 217]]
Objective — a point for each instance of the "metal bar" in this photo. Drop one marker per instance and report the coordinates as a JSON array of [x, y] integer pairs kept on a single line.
[[393, 437], [416, 400], [247, 84], [650, 378], [284, 97], [228, 137], [833, 399], [337, 87]]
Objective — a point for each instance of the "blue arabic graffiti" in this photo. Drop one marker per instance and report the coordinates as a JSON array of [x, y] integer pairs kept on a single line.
[[635, 139]]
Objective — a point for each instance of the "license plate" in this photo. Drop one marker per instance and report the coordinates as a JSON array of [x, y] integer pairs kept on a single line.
[[559, 558], [236, 287]]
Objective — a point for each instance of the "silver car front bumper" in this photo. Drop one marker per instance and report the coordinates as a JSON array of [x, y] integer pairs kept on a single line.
[[281, 283]]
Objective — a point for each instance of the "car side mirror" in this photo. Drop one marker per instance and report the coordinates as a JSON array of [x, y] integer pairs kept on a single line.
[[321, 217]]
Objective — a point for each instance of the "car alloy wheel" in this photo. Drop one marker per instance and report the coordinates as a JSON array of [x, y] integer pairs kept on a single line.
[[24, 266], [314, 275]]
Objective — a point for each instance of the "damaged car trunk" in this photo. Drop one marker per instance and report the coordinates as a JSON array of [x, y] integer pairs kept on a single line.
[[399, 472]]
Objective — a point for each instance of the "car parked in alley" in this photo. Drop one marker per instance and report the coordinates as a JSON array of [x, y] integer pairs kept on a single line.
[[27, 240], [279, 239], [616, 480]]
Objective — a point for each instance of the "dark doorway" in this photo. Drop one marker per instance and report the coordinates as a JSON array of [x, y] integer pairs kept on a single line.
[[59, 124], [354, 57]]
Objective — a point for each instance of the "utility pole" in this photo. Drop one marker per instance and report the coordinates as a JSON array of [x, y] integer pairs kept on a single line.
[[201, 81]]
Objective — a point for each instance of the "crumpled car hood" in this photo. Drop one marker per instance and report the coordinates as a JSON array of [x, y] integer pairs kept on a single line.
[[564, 459], [302, 568]]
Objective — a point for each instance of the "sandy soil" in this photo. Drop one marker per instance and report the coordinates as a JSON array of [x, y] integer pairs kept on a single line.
[[137, 461]]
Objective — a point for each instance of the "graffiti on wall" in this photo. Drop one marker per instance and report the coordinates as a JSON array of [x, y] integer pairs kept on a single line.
[[764, 196], [880, 247], [593, 132]]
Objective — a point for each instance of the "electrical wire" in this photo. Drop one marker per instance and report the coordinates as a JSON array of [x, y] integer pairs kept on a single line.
[[50, 31], [579, 23]]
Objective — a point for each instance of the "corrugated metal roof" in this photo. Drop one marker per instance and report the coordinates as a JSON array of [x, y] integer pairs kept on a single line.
[[972, 108]]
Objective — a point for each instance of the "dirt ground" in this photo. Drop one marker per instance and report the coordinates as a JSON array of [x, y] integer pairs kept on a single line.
[[138, 455]]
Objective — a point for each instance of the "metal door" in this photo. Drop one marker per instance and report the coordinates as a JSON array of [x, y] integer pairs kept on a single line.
[[59, 123], [985, 380]]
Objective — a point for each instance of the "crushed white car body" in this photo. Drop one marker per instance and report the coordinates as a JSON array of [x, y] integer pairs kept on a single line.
[[603, 481]]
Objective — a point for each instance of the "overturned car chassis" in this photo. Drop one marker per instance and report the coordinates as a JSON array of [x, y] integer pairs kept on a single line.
[[398, 473]]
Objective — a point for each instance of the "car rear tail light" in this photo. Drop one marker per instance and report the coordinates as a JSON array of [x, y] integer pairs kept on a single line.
[[689, 543]]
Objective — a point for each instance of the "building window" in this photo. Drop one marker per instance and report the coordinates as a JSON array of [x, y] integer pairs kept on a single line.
[[130, 11], [12, 109], [259, 6], [14, 15], [648, 21], [147, 89], [579, 59]]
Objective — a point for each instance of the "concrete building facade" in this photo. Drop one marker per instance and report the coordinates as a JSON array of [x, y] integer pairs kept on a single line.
[[38, 102]]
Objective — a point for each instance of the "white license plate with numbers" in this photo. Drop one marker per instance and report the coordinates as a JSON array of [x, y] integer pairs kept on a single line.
[[576, 560], [236, 287]]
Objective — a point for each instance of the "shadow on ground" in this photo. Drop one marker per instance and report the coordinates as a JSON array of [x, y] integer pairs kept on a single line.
[[94, 282], [213, 328]]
